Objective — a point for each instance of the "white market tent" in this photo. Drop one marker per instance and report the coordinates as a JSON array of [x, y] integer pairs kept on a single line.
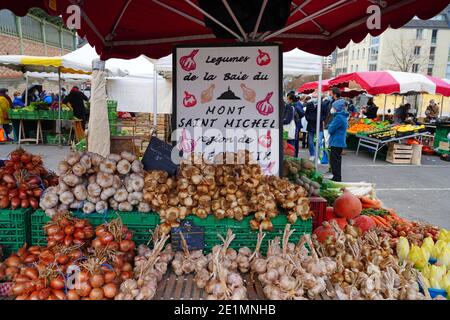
[[295, 63], [130, 82]]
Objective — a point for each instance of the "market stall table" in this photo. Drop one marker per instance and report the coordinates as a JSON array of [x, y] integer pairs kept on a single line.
[[23, 138], [377, 144]]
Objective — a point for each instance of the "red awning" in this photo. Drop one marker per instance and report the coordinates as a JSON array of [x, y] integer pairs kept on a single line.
[[128, 28], [310, 87], [390, 82]]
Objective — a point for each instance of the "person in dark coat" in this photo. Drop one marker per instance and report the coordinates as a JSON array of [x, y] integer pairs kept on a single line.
[[401, 113], [294, 110], [311, 117], [76, 98], [371, 111]]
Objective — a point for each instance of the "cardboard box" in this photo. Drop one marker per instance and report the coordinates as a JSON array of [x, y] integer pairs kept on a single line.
[[444, 146]]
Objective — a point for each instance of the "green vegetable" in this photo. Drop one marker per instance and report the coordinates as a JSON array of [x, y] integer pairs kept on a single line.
[[329, 195], [375, 212]]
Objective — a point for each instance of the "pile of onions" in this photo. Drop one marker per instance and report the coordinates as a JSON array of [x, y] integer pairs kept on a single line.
[[367, 268], [93, 184], [224, 190], [220, 279], [68, 231], [150, 267], [22, 179]]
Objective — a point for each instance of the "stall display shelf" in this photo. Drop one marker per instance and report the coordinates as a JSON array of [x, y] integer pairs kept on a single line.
[[139, 223], [376, 144]]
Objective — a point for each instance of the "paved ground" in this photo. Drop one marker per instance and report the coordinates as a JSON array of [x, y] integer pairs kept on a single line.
[[416, 192]]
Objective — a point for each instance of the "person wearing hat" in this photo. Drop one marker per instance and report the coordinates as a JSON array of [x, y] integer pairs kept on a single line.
[[337, 129], [432, 111]]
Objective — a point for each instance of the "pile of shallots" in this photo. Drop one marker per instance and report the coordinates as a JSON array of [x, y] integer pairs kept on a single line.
[[22, 179], [66, 230], [367, 268], [224, 190], [92, 183], [150, 267]]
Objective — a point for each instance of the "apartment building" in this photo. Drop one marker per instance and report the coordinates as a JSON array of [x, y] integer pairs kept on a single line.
[[421, 46]]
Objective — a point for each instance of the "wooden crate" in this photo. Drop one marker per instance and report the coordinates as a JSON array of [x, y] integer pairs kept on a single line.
[[399, 153], [417, 154], [174, 287]]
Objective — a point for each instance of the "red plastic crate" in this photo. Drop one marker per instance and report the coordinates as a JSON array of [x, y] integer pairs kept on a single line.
[[318, 205]]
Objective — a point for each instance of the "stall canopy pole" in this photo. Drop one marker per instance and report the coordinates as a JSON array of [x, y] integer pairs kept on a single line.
[[155, 98], [442, 105], [385, 101], [318, 122], [26, 89], [58, 125]]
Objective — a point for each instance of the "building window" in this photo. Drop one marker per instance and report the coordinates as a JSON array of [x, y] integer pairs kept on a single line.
[[373, 54], [363, 53], [8, 22], [434, 36], [357, 55], [430, 70], [375, 40], [417, 50], [415, 68], [353, 54], [357, 68], [373, 67], [432, 53], [419, 34]]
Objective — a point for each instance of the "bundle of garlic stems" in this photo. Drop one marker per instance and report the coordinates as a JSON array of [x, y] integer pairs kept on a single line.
[[367, 269], [220, 278], [150, 267], [186, 262]]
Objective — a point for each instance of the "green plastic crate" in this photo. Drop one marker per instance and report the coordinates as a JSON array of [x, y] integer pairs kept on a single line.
[[139, 223], [81, 146], [54, 139], [112, 105], [113, 130], [245, 236], [14, 226], [67, 114], [112, 116], [46, 114], [32, 115], [13, 115]]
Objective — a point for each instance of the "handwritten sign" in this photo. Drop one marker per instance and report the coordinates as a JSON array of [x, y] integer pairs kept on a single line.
[[158, 156], [227, 99], [194, 236]]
